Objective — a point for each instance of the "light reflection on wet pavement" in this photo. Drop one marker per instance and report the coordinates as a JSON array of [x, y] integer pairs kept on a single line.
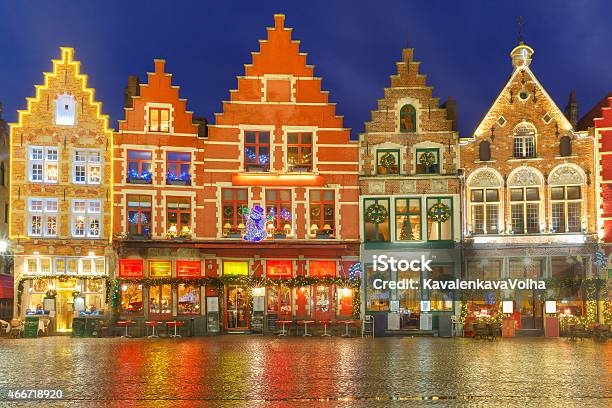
[[252, 371]]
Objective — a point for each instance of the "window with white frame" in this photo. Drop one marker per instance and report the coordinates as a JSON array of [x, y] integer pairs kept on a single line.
[[43, 164], [525, 210], [42, 217], [86, 218], [38, 265], [65, 110], [484, 205], [87, 167], [524, 141], [566, 208]]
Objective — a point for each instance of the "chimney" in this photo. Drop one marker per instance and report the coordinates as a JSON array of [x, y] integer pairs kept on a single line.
[[201, 123], [132, 89], [451, 111], [571, 110]]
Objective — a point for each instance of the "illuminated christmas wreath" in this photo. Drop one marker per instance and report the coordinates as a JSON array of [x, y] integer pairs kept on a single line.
[[388, 161], [439, 212], [427, 159], [376, 214]]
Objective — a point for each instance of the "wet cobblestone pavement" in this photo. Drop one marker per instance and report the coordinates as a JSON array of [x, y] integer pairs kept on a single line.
[[256, 371]]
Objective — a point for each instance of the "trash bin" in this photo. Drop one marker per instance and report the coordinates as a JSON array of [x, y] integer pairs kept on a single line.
[[445, 326]]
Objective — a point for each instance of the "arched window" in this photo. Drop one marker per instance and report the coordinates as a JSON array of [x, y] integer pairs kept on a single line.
[[565, 146], [566, 199], [65, 110], [524, 141], [408, 119], [525, 187], [484, 150], [484, 199]]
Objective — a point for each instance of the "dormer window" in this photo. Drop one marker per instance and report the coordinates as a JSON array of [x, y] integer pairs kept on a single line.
[[65, 110], [524, 141], [159, 120]]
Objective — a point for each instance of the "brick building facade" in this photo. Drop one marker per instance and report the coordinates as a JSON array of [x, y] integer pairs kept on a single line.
[[529, 207], [408, 171], [60, 198], [6, 260]]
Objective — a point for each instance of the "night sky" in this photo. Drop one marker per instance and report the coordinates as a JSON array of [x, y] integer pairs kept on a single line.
[[463, 47]]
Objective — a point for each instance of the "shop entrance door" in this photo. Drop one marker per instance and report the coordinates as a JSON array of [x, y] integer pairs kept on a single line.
[[323, 302], [236, 308], [530, 308], [64, 311]]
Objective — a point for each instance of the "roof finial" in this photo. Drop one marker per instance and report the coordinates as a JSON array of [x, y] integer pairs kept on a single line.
[[520, 22]]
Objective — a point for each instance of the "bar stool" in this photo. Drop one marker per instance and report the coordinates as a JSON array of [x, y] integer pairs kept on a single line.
[[153, 324], [176, 324], [126, 324], [325, 323]]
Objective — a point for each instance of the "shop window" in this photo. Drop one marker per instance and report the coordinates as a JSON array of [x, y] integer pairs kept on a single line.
[[38, 266], [86, 167], [345, 301], [160, 269], [188, 269], [159, 120], [188, 299], [565, 146], [65, 110], [323, 301], [376, 215], [387, 161], [279, 301], [178, 217], [72, 265], [139, 165], [524, 141], [566, 209], [299, 151], [439, 219], [234, 204], [427, 161], [86, 218], [408, 219], [43, 164], [279, 269], [522, 268], [257, 151], [570, 269], [278, 204], [409, 300], [160, 301], [484, 269], [484, 206], [322, 268], [236, 268], [484, 151], [179, 168], [42, 217], [322, 207], [524, 210], [93, 292], [407, 119], [440, 299], [377, 299], [131, 268], [139, 215], [131, 298]]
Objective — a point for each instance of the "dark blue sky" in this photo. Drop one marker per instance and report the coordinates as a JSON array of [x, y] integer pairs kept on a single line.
[[463, 47]]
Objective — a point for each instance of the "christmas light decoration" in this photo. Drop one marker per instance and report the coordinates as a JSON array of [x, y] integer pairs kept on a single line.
[[255, 225]]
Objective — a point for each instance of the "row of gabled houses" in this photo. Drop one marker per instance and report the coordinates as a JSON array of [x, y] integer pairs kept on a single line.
[[271, 212]]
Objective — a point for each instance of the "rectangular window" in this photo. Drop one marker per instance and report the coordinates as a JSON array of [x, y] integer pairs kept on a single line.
[[566, 209], [485, 210], [86, 167], [44, 164], [387, 161], [278, 204], [524, 147], [441, 299], [322, 207], [236, 268], [43, 217], [160, 269], [376, 215], [159, 120], [160, 300], [377, 299], [86, 218], [408, 219], [179, 168], [439, 219], [525, 209], [257, 151], [322, 268], [139, 164], [178, 217], [427, 161], [131, 268], [188, 269], [299, 151], [234, 203], [131, 298], [188, 299], [139, 215], [279, 269]]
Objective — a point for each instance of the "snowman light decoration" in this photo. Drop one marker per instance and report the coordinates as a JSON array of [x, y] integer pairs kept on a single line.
[[256, 225]]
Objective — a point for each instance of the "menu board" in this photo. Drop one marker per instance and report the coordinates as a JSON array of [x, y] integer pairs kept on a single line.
[[31, 327]]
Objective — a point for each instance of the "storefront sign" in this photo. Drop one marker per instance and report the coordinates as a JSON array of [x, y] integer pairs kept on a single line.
[[131, 268], [236, 268], [160, 269], [188, 269]]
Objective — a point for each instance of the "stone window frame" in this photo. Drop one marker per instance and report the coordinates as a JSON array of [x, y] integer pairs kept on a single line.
[[46, 160], [475, 181], [296, 129], [90, 163], [399, 104], [523, 136], [577, 179], [90, 214], [157, 105], [421, 213], [336, 226], [524, 177], [46, 213]]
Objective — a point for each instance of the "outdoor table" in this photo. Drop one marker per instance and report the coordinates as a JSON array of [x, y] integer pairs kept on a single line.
[[346, 327], [126, 324], [283, 332], [176, 324], [325, 323], [305, 323], [153, 324]]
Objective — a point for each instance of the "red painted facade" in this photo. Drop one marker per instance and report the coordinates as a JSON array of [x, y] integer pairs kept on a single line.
[[603, 132]]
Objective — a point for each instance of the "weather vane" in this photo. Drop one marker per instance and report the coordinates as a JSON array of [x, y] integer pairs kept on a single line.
[[520, 21]]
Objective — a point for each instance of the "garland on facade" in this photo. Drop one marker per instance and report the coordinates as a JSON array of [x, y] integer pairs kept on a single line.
[[116, 295], [439, 212], [376, 214], [63, 278], [427, 159]]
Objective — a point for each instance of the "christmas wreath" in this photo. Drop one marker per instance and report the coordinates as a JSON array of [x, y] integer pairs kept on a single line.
[[228, 211], [376, 214], [427, 159], [439, 212], [387, 160]]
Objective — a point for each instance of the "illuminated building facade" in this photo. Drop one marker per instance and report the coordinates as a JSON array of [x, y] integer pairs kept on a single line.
[[529, 198], [60, 199], [409, 204], [6, 268]]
